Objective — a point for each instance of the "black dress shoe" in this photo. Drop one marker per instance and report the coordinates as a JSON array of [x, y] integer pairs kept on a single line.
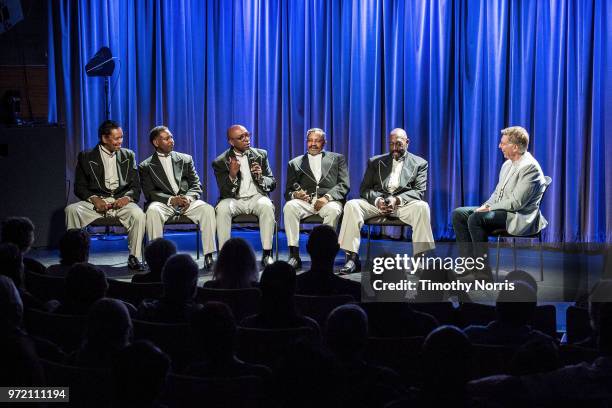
[[352, 265], [266, 258], [134, 264], [208, 262], [294, 258]]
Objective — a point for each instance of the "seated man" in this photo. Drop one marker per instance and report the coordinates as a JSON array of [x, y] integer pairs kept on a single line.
[[107, 183], [156, 254], [171, 186], [245, 182], [393, 185], [514, 205], [317, 183], [74, 248], [20, 231]]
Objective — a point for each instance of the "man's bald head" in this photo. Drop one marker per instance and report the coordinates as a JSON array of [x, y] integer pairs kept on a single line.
[[239, 137]]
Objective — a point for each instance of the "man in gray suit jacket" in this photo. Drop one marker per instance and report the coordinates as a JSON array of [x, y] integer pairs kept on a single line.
[[245, 180], [394, 185], [107, 183], [171, 186], [514, 205], [317, 183]]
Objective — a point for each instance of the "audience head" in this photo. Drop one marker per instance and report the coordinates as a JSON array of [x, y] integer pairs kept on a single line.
[[157, 253], [447, 354], [139, 373], [18, 231], [347, 331], [84, 284], [109, 326], [535, 356], [180, 278], [277, 287], [236, 265], [604, 338], [519, 275], [516, 307], [11, 264], [323, 245], [214, 329], [74, 246], [11, 307]]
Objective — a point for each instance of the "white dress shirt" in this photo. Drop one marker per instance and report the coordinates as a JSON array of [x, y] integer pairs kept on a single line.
[[394, 178], [315, 165], [109, 160], [166, 161], [247, 186]]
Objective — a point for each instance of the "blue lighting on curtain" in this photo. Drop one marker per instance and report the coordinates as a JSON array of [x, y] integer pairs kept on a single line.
[[452, 73]]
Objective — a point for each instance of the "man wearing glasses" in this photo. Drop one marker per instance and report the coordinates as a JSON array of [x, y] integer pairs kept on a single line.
[[245, 181], [393, 185]]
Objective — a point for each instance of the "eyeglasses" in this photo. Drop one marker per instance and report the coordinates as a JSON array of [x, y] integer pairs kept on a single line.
[[243, 136]]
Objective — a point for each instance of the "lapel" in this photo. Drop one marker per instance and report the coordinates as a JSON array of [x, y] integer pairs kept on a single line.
[[384, 170], [304, 167], [327, 161], [407, 171], [97, 167], [158, 172], [123, 167], [177, 167]]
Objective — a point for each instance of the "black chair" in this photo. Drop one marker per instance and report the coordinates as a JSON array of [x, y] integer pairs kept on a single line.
[[243, 302], [88, 387], [133, 293], [66, 331], [44, 287], [578, 324], [403, 354], [268, 346], [185, 391], [503, 233], [173, 338], [254, 219], [382, 221], [319, 307]]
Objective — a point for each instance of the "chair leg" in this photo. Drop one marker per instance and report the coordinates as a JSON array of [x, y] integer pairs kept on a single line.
[[276, 239], [497, 262], [198, 241], [541, 258], [514, 252], [368, 244]]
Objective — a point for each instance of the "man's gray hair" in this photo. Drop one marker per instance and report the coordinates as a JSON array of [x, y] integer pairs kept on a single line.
[[517, 136], [399, 132], [315, 130]]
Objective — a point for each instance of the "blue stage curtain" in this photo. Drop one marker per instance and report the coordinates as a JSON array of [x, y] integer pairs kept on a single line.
[[452, 73]]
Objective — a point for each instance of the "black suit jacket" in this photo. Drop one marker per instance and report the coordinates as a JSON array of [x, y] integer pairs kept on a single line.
[[334, 176], [227, 188], [155, 183], [89, 176], [412, 184]]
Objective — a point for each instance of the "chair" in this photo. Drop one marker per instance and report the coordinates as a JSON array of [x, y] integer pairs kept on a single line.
[[173, 338], [89, 387], [319, 307], [491, 360], [403, 354], [268, 346], [382, 221], [243, 302], [44, 287], [254, 219], [578, 324], [185, 391], [503, 233], [133, 293], [66, 331]]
